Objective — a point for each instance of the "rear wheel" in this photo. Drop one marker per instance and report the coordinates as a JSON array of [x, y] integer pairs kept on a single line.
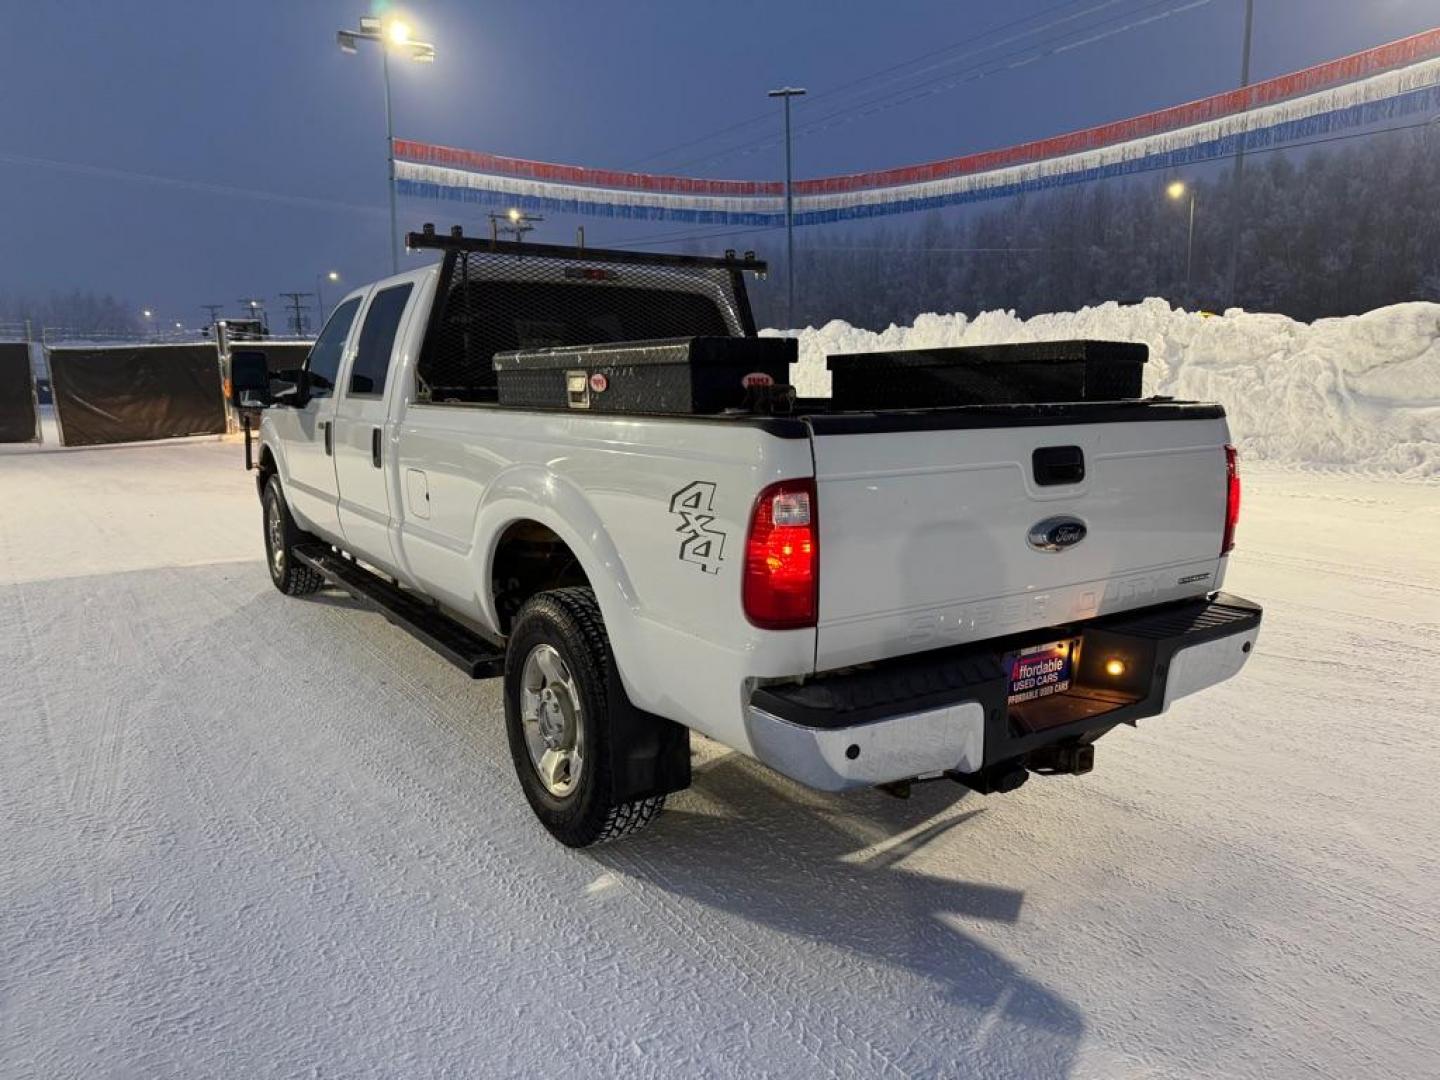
[[558, 687], [281, 535]]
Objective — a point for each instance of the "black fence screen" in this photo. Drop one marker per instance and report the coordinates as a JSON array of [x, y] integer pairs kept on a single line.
[[19, 421], [134, 392], [499, 301]]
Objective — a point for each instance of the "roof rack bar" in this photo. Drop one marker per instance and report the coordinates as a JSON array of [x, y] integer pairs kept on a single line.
[[455, 240]]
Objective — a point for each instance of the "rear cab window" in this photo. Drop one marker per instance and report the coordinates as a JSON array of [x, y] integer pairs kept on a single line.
[[377, 341]]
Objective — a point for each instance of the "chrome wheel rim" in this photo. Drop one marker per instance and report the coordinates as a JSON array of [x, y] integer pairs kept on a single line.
[[275, 534], [550, 716]]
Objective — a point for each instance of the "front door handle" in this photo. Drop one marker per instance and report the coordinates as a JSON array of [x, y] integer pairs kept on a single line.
[[325, 430], [375, 447]]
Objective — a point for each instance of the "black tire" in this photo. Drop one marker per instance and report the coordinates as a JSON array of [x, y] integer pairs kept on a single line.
[[281, 536], [568, 621]]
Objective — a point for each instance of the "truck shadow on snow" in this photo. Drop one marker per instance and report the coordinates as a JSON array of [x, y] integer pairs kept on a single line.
[[748, 843]]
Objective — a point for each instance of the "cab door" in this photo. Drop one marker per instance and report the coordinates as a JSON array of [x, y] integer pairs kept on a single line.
[[362, 442], [307, 434]]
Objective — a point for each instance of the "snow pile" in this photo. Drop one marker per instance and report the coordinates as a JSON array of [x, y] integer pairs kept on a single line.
[[1360, 392]]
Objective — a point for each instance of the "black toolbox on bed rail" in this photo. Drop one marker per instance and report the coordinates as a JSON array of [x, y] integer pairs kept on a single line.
[[675, 375], [1027, 373]]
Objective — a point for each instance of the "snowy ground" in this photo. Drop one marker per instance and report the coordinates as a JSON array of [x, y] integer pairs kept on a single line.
[[250, 836]]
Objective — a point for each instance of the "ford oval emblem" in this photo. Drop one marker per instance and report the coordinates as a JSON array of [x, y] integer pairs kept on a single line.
[[1056, 533]]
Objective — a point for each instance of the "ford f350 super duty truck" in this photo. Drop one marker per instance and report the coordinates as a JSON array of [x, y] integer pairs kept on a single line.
[[581, 471]]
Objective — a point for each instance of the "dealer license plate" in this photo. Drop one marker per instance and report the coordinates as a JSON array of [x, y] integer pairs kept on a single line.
[[1040, 671]]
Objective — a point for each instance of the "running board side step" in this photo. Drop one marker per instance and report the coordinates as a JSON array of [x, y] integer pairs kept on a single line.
[[467, 650]]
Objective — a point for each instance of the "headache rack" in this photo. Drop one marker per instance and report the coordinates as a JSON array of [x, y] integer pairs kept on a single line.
[[498, 296]]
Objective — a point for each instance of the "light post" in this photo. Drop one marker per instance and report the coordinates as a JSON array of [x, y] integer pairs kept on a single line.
[[1237, 178], [257, 313], [389, 34], [332, 276], [520, 223], [787, 92], [154, 327], [1177, 190]]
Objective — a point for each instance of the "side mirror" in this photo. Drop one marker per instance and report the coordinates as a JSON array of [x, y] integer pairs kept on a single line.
[[249, 379]]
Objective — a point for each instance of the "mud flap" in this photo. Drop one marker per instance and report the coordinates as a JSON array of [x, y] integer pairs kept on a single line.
[[649, 755]]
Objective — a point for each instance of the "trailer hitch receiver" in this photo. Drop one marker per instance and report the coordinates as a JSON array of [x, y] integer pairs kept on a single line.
[[1070, 760]]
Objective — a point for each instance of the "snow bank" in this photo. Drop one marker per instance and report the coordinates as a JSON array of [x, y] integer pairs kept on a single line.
[[1361, 392]]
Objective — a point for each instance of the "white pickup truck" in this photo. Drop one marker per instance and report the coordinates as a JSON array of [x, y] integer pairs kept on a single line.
[[855, 597]]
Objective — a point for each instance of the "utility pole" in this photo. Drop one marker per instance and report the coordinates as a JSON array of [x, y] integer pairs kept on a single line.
[[213, 310], [517, 224], [787, 92], [297, 310], [1237, 179]]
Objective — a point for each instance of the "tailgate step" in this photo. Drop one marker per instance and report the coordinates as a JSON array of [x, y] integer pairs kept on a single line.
[[467, 650]]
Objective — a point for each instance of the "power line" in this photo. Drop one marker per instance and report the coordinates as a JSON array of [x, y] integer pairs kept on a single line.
[[1033, 31], [950, 82], [879, 72], [972, 73], [975, 73], [104, 172]]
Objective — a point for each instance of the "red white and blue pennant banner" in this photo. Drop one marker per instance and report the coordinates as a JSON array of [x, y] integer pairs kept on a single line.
[[1380, 85]]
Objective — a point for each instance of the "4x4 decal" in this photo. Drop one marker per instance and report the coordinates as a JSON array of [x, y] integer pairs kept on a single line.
[[701, 544]]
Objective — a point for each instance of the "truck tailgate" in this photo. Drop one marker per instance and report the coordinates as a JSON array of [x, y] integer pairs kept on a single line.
[[924, 528]]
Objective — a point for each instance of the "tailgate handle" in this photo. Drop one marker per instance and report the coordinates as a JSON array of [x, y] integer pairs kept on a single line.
[[1058, 465]]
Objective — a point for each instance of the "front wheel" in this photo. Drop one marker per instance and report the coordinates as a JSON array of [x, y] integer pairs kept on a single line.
[[557, 695], [281, 535]]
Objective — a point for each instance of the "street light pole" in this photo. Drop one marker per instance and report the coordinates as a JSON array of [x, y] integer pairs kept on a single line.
[[1190, 245], [1238, 177], [390, 162], [787, 92], [320, 297], [1178, 189], [392, 34]]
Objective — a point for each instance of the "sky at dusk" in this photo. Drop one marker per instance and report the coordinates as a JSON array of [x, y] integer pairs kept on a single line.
[[181, 152]]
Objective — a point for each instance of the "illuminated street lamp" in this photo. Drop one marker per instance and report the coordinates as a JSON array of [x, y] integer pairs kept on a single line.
[[520, 223], [257, 312], [331, 276], [150, 318], [392, 35], [1177, 190]]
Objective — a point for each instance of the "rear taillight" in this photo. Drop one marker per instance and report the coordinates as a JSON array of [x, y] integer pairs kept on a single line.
[[782, 558], [1232, 498]]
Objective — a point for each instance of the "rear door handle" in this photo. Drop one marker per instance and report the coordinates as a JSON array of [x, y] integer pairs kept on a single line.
[[325, 426], [375, 447]]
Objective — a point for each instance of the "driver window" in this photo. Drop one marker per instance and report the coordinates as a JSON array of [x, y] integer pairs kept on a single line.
[[323, 363]]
